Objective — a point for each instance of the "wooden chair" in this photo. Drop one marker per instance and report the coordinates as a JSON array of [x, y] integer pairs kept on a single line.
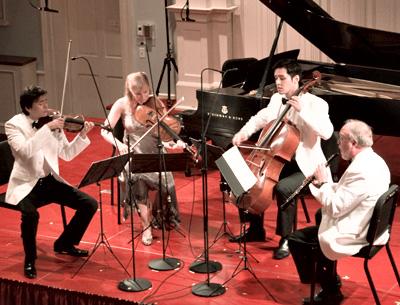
[[381, 221], [118, 133], [6, 166]]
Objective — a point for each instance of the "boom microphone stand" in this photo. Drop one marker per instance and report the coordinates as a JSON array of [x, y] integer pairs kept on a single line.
[[206, 289], [168, 60], [102, 239], [133, 284], [164, 263]]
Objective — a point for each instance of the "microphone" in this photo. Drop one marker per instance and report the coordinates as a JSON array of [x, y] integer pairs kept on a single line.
[[223, 72], [45, 8], [187, 18], [76, 57]]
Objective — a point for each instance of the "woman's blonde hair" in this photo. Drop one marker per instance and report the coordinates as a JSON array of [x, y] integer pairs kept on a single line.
[[137, 81]]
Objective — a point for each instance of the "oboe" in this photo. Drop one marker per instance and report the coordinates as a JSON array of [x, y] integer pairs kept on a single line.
[[306, 182]]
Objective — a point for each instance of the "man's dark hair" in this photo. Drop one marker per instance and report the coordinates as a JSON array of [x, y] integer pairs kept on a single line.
[[292, 67], [30, 95]]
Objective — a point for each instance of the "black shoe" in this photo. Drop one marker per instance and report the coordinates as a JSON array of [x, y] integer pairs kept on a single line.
[[326, 297], [70, 250], [250, 235], [283, 250], [30, 270]]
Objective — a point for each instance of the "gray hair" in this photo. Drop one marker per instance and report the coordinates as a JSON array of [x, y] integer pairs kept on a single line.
[[360, 132]]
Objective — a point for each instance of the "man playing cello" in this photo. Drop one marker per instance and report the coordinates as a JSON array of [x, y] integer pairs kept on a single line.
[[309, 114]]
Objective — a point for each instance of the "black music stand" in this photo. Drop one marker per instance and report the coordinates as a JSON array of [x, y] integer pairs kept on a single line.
[[144, 163], [99, 171], [239, 189]]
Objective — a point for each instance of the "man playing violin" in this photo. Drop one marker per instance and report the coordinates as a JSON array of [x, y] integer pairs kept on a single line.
[[309, 114], [35, 179]]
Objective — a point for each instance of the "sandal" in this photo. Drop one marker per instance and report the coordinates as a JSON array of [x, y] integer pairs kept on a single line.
[[147, 237]]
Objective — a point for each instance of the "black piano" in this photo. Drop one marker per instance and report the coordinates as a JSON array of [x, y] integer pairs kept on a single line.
[[363, 83]]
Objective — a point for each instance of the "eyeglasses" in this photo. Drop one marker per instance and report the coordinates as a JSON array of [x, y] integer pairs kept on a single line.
[[343, 138]]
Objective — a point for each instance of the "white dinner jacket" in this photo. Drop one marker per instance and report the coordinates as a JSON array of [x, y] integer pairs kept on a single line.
[[34, 151], [312, 121], [347, 206]]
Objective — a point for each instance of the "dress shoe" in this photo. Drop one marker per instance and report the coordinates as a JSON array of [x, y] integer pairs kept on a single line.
[[250, 235], [70, 250], [283, 250], [326, 297], [30, 270]]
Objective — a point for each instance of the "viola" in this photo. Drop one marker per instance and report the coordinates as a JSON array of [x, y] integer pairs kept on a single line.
[[153, 112], [276, 145], [72, 123]]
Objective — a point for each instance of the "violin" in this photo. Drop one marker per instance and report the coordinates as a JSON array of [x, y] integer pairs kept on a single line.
[[152, 112], [72, 123]]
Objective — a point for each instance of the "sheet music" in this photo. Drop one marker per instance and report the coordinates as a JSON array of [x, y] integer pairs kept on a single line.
[[236, 171]]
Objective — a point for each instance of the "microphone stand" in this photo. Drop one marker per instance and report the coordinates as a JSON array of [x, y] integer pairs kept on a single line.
[[102, 239], [131, 284], [164, 263], [167, 61], [206, 289]]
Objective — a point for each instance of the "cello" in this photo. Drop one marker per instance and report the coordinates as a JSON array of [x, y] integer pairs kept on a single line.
[[276, 145]]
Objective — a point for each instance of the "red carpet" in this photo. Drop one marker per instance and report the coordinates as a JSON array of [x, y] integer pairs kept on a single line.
[[269, 282]]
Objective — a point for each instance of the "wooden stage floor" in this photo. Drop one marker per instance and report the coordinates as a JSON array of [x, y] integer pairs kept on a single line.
[[266, 282]]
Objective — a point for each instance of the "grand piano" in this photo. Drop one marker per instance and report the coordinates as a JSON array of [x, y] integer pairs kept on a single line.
[[362, 83]]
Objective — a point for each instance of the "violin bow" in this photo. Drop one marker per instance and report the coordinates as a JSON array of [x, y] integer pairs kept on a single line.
[[65, 78]]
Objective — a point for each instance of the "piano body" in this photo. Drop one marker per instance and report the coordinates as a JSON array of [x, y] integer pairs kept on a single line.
[[363, 83]]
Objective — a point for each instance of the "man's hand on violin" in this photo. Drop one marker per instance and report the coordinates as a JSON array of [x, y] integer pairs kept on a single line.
[[238, 138], [295, 103], [87, 126], [55, 124]]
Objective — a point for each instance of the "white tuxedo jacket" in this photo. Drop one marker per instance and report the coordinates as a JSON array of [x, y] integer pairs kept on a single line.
[[312, 121], [36, 154], [347, 206]]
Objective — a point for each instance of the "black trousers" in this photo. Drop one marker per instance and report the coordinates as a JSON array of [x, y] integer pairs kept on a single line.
[[48, 190], [289, 180], [305, 250]]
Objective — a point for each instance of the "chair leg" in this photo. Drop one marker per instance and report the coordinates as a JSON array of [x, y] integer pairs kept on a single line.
[[112, 190], [396, 272], [118, 202], [313, 277], [371, 283], [63, 216], [295, 215], [303, 205]]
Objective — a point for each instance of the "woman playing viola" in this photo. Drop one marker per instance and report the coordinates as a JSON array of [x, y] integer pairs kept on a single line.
[[137, 92]]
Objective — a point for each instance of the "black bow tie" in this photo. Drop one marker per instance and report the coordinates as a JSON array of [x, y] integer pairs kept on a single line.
[[35, 124]]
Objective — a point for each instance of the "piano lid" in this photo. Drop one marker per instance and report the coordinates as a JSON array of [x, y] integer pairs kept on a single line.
[[342, 42]]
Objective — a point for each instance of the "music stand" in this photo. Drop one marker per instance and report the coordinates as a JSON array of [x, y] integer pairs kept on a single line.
[[144, 163], [240, 179], [99, 171]]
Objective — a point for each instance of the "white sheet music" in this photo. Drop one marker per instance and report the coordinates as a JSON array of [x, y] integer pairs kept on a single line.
[[236, 171]]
